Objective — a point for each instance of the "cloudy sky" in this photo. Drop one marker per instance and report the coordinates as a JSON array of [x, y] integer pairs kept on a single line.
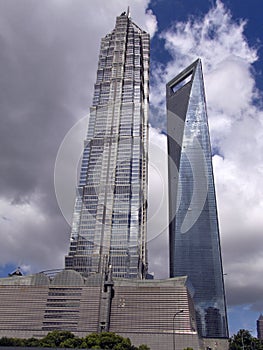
[[48, 59]]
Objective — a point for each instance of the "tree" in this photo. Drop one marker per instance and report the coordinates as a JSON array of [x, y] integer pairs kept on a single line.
[[4, 341], [143, 347], [110, 341], [243, 340], [72, 343], [91, 340], [31, 342], [66, 339], [107, 340], [55, 338]]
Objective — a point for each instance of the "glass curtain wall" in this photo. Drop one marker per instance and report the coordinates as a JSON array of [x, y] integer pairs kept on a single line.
[[194, 233], [109, 220]]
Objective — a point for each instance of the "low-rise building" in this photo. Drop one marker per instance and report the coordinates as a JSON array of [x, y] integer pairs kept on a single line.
[[159, 313]]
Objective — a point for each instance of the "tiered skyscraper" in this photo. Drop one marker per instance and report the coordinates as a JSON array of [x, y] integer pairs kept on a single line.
[[109, 221], [194, 234]]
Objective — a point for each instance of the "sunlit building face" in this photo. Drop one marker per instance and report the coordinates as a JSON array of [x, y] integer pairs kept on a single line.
[[194, 234], [109, 221]]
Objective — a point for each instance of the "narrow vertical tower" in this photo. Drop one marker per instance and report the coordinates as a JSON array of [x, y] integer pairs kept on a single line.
[[260, 327], [193, 231], [109, 220]]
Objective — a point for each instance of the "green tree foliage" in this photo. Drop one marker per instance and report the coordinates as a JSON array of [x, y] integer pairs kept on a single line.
[[107, 340], [4, 341], [55, 338], [143, 347], [72, 343], [66, 339], [243, 340], [31, 342]]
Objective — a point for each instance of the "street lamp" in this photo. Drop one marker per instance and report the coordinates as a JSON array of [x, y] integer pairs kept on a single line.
[[177, 313]]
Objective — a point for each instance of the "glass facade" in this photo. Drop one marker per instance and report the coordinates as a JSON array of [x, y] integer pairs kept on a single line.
[[193, 232], [109, 220]]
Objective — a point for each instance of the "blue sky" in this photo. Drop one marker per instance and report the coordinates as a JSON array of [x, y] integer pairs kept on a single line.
[[48, 61], [170, 11], [240, 26]]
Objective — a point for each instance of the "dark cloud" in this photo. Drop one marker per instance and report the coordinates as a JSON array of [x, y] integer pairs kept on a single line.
[[48, 60], [47, 74], [42, 93], [158, 260]]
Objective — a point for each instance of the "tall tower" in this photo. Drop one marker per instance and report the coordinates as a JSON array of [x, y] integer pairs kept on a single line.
[[109, 220], [193, 230], [260, 327]]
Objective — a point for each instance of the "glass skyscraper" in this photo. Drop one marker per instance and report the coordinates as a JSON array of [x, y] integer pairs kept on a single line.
[[109, 220], [193, 229]]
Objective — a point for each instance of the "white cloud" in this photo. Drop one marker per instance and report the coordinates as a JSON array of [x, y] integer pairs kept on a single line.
[[217, 40], [213, 38], [236, 126], [157, 221], [26, 236], [233, 74], [50, 54], [151, 23]]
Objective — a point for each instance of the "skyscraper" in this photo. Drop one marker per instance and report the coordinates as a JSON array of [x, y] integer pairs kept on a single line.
[[260, 327], [109, 220], [193, 230]]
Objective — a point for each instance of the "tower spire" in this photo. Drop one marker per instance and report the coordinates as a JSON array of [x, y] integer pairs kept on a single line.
[[128, 12]]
